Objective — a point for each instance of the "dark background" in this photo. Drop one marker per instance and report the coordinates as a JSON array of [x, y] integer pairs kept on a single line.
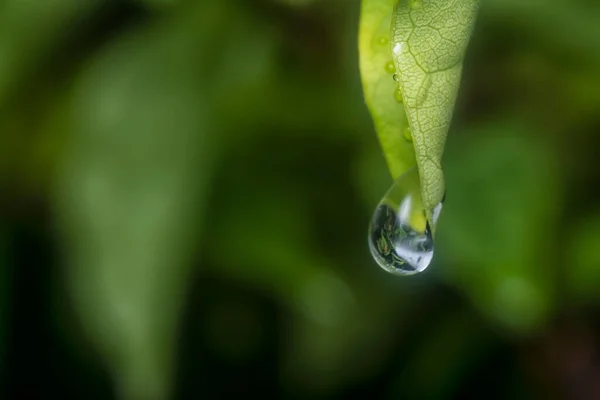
[[185, 190]]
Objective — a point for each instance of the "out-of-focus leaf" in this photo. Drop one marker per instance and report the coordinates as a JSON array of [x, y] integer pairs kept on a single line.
[[29, 30], [132, 188], [495, 238], [582, 271]]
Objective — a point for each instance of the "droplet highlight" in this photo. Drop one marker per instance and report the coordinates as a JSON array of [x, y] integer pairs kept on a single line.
[[382, 40], [395, 77], [400, 236]]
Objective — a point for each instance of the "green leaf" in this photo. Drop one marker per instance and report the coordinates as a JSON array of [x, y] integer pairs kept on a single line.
[[427, 44], [130, 196], [379, 86]]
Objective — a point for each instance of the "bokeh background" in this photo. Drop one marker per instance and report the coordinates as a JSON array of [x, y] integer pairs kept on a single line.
[[185, 190]]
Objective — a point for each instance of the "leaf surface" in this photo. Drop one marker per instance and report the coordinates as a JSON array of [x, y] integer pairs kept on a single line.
[[427, 44]]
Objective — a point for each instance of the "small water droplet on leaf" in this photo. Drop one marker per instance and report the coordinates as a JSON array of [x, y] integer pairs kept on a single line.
[[390, 68], [407, 133], [395, 77], [398, 96]]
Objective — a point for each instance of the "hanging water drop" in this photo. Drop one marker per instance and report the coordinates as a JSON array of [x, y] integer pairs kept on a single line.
[[400, 236]]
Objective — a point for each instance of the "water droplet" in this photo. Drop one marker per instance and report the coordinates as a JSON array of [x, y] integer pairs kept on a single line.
[[390, 68], [400, 237], [382, 40], [398, 96], [395, 77], [407, 133]]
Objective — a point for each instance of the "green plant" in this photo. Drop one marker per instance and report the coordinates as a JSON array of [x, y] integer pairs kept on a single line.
[[411, 55]]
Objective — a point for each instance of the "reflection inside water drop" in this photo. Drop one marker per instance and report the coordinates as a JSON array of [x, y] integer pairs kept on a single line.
[[400, 237]]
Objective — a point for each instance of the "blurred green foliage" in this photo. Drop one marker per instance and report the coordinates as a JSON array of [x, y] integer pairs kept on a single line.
[[186, 189]]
